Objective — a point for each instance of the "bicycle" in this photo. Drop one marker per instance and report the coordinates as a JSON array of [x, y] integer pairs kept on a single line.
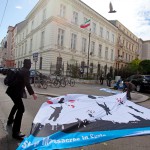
[[70, 81], [40, 82], [59, 81]]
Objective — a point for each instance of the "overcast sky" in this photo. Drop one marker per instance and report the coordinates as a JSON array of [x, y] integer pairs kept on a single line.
[[133, 14]]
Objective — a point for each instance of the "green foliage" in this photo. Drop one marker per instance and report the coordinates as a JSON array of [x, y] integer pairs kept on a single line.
[[74, 71], [133, 67], [144, 67]]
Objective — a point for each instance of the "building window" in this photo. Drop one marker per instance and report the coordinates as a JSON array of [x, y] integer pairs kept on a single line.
[[126, 44], [112, 54], [26, 31], [22, 50], [92, 47], [106, 53], [59, 65], [113, 38], [19, 50], [42, 38], [123, 55], [75, 17], [32, 25], [31, 42], [83, 45], [23, 36], [60, 40], [91, 68], [101, 32], [40, 66], [25, 47], [85, 19], [73, 41], [82, 64], [94, 27], [44, 15], [100, 50], [62, 10], [107, 35]]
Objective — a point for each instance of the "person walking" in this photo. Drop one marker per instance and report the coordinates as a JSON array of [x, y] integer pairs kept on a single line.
[[16, 92], [102, 78], [81, 72], [109, 79], [128, 87]]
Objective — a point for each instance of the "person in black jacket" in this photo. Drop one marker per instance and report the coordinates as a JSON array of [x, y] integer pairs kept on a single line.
[[109, 79], [15, 92], [128, 88]]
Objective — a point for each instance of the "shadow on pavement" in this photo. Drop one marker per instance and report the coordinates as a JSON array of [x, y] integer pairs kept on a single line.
[[7, 142]]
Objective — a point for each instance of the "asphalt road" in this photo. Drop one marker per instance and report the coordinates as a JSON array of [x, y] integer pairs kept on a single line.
[[32, 107]]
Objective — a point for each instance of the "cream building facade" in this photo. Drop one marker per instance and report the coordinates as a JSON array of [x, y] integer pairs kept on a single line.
[[53, 30], [3, 51], [127, 45]]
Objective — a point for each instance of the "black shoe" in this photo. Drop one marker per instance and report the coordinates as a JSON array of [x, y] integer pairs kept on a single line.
[[19, 136], [10, 122]]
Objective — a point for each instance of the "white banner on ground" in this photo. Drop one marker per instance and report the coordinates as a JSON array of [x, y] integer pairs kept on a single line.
[[75, 120]]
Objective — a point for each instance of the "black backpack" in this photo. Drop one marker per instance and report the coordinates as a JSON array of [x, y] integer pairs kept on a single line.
[[11, 77]]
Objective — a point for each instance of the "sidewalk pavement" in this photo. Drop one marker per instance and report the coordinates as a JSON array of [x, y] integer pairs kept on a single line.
[[84, 89]]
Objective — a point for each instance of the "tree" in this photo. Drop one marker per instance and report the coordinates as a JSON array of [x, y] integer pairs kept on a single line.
[[134, 66], [144, 67]]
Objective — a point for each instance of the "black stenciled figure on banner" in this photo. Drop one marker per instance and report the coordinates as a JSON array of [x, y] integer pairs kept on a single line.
[[135, 109], [56, 113], [82, 122], [105, 108], [15, 92], [109, 78]]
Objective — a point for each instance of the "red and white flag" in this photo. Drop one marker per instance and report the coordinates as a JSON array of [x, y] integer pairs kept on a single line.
[[86, 24]]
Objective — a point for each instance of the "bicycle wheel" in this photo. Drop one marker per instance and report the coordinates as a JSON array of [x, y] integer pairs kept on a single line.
[[62, 83], [72, 82], [37, 83], [44, 84], [56, 83], [67, 81]]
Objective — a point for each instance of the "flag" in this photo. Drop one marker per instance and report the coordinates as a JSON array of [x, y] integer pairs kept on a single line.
[[86, 24], [69, 121]]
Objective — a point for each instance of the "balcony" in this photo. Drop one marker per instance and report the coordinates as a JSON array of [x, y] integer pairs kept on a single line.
[[118, 58], [73, 50], [120, 44]]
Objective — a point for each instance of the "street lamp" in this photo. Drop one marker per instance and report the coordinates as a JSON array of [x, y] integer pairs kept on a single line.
[[88, 55]]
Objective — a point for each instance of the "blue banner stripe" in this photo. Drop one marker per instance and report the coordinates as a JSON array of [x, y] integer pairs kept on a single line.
[[61, 140]]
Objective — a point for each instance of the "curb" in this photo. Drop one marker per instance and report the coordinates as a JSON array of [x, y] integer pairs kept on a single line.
[[143, 100], [46, 94]]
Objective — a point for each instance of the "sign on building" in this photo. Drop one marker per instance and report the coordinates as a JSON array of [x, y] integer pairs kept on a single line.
[[35, 57]]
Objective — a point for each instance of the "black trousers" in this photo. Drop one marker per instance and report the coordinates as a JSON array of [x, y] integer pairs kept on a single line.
[[16, 113], [108, 82], [101, 81], [128, 94]]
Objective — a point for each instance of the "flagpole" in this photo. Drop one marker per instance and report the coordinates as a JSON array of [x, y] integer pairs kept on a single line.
[[88, 55]]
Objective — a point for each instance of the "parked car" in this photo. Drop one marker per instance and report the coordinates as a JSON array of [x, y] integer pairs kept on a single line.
[[35, 73], [4, 71], [1, 68], [141, 82]]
